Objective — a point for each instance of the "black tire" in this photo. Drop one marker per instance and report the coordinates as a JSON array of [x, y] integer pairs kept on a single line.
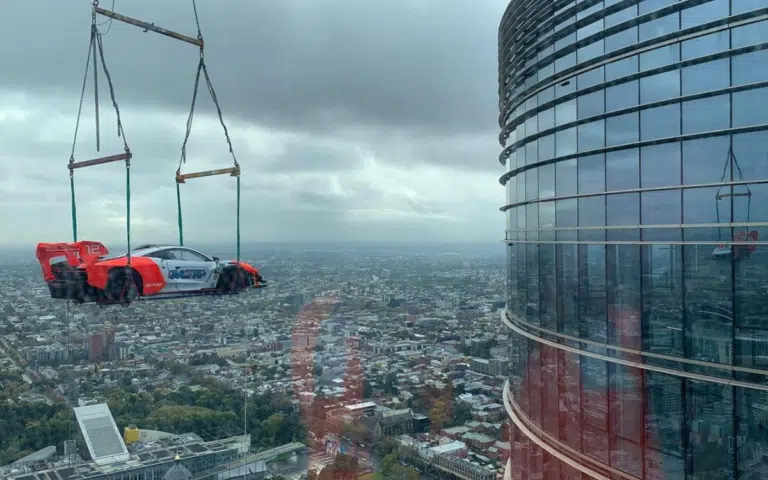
[[233, 279], [122, 287]]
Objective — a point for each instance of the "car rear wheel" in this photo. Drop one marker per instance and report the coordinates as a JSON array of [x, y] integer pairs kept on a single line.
[[233, 279], [122, 286]]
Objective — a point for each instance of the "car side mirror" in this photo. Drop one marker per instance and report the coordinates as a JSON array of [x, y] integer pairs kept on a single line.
[[215, 259]]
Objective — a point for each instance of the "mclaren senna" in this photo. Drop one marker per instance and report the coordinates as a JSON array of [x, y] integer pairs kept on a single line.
[[85, 272]]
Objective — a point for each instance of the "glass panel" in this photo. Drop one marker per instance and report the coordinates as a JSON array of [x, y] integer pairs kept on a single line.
[[662, 208], [704, 13], [661, 86], [660, 122], [565, 112], [660, 26], [624, 308], [592, 211], [592, 136], [623, 209], [591, 174], [647, 6], [564, 88], [623, 129], [707, 114], [531, 126], [660, 165], [660, 57], [565, 142], [566, 178], [749, 34], [621, 68], [532, 305], [546, 95], [706, 77], [588, 52], [566, 213], [620, 96], [751, 151], [664, 423], [622, 169], [591, 104], [547, 147], [621, 16], [709, 454], [546, 119], [546, 184], [752, 429], [750, 67], [532, 185], [531, 152], [741, 6], [565, 62], [592, 291], [626, 410], [706, 45], [621, 39], [750, 107], [591, 78], [662, 293], [704, 159]]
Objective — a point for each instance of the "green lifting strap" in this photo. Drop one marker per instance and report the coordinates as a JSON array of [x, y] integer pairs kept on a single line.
[[238, 219], [128, 208], [74, 207], [178, 205], [96, 47], [182, 178], [234, 170]]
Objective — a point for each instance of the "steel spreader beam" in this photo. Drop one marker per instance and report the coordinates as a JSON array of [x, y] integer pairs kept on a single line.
[[100, 161], [232, 171], [148, 26]]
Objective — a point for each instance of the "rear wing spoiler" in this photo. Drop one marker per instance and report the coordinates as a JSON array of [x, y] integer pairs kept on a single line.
[[76, 253]]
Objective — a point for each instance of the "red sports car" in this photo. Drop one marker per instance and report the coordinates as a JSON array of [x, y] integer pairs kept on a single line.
[[85, 272]]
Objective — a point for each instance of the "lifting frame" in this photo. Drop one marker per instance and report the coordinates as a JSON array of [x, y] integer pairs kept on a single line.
[[233, 171], [95, 48]]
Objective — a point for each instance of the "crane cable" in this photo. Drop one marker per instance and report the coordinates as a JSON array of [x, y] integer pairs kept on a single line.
[[96, 45], [201, 67]]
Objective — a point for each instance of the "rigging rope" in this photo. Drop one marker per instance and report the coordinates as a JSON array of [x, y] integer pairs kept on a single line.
[[183, 158], [732, 161], [91, 47], [96, 44]]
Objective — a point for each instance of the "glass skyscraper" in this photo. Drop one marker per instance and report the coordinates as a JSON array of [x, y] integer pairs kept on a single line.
[[635, 136]]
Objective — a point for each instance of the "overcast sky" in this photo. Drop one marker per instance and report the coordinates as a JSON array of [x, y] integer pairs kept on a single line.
[[351, 119]]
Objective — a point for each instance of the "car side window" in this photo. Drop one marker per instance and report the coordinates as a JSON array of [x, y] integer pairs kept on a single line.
[[161, 254], [189, 255]]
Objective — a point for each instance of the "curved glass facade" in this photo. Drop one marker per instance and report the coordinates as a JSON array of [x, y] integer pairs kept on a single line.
[[635, 137]]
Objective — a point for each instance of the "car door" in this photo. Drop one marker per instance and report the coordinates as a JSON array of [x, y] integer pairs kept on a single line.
[[187, 270]]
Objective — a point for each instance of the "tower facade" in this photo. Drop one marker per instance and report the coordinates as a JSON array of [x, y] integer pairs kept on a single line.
[[635, 143]]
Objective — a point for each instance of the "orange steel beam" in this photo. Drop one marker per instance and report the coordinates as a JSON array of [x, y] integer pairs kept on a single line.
[[99, 161], [232, 171], [148, 26]]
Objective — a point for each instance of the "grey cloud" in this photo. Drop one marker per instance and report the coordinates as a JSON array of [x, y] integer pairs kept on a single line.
[[320, 97], [291, 63]]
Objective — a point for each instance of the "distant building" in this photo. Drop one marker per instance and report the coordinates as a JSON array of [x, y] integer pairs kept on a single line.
[[105, 456], [101, 346]]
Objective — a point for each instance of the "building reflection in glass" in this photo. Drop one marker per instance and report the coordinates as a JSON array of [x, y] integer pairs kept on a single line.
[[635, 140]]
